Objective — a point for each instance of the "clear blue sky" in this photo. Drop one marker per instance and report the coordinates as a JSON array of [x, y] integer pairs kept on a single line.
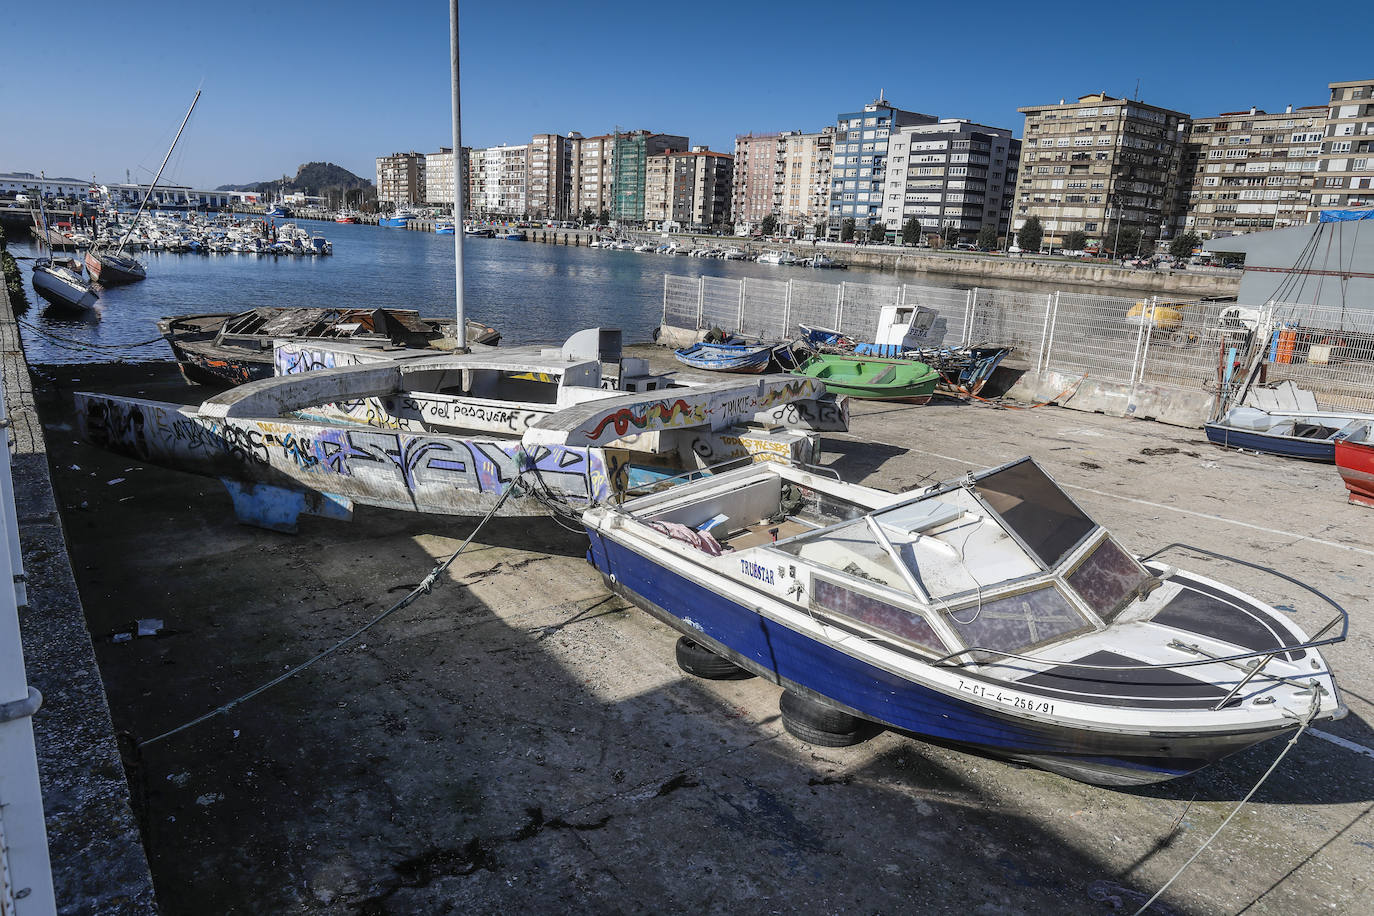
[[98, 87]]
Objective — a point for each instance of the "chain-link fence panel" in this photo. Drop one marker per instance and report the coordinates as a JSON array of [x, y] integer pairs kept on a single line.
[[1100, 335], [720, 303], [765, 309], [680, 301]]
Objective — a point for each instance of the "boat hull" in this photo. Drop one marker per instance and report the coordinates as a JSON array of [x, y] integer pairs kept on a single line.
[[62, 294], [796, 661], [1355, 461], [1323, 450], [111, 271], [388, 222], [726, 358]]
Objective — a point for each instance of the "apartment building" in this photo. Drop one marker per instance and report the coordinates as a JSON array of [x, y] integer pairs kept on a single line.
[[550, 176], [592, 169], [401, 179], [1345, 172], [630, 153], [498, 182], [952, 173], [688, 190], [758, 165], [1099, 163], [1250, 170], [439, 176], [859, 161], [803, 196], [658, 190]]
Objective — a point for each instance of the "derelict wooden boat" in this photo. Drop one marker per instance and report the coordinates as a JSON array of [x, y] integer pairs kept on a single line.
[[989, 612], [872, 377], [750, 358], [225, 349]]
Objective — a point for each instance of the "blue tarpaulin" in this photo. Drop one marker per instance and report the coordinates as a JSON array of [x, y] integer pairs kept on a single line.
[[1345, 216]]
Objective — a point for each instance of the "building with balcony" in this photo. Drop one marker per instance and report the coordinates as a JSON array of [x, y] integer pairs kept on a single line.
[[401, 179], [550, 176], [592, 161], [1249, 170], [630, 152], [758, 166], [498, 182], [439, 176], [950, 174], [1100, 163], [1345, 171], [802, 199], [859, 162]]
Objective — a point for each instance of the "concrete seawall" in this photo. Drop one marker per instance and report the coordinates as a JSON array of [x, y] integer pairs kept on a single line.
[[94, 842]]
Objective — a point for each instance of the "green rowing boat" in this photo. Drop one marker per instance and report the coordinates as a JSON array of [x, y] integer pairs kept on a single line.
[[871, 377]]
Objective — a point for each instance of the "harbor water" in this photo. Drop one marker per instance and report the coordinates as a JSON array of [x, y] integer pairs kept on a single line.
[[530, 292]]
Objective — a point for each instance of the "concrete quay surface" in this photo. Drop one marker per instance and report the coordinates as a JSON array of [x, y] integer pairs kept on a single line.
[[520, 740]]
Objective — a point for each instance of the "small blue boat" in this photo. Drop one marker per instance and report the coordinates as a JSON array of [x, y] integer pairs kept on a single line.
[[443, 227], [1288, 433], [395, 222], [828, 337], [751, 358]]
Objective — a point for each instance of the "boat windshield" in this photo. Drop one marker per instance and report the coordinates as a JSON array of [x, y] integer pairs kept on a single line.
[[852, 549], [1033, 506]]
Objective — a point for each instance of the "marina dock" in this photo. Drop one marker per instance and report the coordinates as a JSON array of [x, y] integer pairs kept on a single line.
[[521, 739]]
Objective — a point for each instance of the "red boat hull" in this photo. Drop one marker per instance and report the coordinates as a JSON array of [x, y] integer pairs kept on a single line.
[[1355, 460]]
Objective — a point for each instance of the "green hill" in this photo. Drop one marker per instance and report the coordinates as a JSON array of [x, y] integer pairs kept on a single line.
[[311, 178]]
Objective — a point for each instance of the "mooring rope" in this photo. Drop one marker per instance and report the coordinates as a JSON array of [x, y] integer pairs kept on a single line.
[[1302, 726], [425, 586]]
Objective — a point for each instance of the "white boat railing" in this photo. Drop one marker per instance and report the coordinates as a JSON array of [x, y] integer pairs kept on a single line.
[[26, 887]]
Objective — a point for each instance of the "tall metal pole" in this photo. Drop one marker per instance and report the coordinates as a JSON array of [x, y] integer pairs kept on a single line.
[[158, 176], [461, 328]]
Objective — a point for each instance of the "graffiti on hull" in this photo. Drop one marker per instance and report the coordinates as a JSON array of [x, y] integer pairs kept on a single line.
[[373, 466]]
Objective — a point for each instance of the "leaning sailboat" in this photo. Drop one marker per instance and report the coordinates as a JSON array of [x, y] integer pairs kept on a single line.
[[115, 268], [59, 280]]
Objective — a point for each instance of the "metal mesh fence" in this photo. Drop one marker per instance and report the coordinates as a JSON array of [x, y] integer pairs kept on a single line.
[[720, 303], [1151, 341], [814, 304], [1326, 350], [952, 307], [859, 310], [1009, 318], [765, 309], [1100, 335], [680, 301]]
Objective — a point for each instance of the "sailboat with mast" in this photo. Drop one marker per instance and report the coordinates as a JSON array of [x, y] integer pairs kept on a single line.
[[58, 280], [115, 268]]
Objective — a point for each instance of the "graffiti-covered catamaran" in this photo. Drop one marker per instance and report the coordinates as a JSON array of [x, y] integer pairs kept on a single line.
[[447, 433]]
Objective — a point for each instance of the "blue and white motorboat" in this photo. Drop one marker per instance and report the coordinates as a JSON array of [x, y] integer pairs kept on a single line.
[[278, 212], [444, 227], [989, 612], [824, 337], [514, 235], [720, 357]]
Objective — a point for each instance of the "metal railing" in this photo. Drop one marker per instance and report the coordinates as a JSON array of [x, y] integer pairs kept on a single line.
[[25, 872], [1155, 341]]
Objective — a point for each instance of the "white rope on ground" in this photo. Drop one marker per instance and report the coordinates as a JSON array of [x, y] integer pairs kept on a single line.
[[423, 588], [1302, 726]]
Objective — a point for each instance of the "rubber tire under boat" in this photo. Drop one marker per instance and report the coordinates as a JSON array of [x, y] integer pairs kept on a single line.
[[701, 662], [820, 724]]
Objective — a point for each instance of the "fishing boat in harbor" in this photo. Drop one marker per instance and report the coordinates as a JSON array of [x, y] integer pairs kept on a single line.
[[346, 217], [872, 378], [479, 232], [225, 349], [398, 220], [989, 612], [514, 235], [345, 422], [444, 227], [1355, 461], [723, 357]]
